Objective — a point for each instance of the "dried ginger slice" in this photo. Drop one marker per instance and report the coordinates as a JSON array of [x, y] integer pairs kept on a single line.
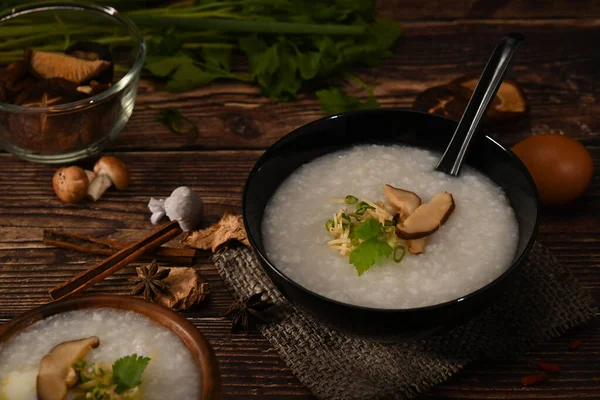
[[230, 227]]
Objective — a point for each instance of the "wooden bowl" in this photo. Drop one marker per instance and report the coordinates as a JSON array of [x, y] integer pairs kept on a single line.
[[191, 337]]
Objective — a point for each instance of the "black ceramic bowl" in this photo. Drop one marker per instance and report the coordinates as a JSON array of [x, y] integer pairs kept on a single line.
[[392, 127]]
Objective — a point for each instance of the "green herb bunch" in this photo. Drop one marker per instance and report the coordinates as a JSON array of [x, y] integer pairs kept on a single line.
[[287, 44]]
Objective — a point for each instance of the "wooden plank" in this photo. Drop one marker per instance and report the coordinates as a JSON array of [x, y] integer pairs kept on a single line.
[[251, 368], [560, 79], [449, 9]]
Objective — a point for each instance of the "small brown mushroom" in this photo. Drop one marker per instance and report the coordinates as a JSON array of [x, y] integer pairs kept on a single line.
[[91, 175], [403, 200], [70, 184], [56, 374], [109, 171], [48, 65], [427, 218]]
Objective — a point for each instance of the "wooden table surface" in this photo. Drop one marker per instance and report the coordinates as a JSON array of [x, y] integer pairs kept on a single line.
[[558, 67]]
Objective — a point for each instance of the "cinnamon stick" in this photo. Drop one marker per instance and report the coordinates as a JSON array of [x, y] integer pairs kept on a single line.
[[116, 261], [92, 245]]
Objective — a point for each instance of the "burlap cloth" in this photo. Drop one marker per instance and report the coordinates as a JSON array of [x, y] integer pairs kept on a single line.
[[545, 301]]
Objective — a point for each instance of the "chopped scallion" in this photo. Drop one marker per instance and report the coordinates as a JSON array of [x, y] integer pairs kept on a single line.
[[398, 254], [362, 207], [329, 225], [350, 199]]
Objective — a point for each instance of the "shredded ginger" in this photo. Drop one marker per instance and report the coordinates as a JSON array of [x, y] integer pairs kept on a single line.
[[344, 221]]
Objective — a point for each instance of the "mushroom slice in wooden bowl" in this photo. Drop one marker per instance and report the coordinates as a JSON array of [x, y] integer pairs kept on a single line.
[[116, 346]]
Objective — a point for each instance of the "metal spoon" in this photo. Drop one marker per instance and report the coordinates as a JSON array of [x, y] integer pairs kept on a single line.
[[482, 97]]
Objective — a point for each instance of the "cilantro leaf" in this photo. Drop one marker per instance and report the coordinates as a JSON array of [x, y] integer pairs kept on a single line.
[[369, 253], [367, 229], [334, 101], [172, 117], [127, 372]]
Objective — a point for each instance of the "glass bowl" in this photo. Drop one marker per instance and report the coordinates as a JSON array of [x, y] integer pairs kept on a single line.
[[61, 133]]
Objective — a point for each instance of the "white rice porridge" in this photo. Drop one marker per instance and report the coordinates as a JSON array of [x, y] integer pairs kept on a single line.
[[474, 247], [171, 373]]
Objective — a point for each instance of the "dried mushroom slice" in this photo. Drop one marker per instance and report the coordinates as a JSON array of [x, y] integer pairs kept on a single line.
[[13, 73], [48, 93], [48, 65], [510, 101], [403, 200], [92, 51], [427, 218], [447, 101], [56, 374]]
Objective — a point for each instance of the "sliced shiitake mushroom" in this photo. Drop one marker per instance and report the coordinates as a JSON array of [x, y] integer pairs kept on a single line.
[[48, 65], [56, 374], [403, 200], [49, 92], [417, 246], [93, 88], [92, 51], [509, 103], [46, 132], [427, 218], [451, 100], [447, 101], [14, 72]]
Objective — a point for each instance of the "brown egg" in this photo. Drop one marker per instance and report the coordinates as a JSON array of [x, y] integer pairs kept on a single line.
[[560, 166]]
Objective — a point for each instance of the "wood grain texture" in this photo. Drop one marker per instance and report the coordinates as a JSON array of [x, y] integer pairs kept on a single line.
[[502, 9], [560, 78], [558, 67]]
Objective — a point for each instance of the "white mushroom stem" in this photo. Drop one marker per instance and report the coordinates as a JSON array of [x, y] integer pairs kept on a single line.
[[99, 186], [109, 171], [90, 175]]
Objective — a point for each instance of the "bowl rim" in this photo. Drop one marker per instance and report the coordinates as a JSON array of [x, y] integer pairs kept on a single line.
[[134, 32], [202, 352], [268, 154]]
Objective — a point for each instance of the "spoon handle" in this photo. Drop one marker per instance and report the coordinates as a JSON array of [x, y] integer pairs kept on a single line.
[[482, 97]]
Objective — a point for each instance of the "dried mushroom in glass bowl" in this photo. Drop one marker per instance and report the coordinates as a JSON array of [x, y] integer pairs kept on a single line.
[[66, 95]]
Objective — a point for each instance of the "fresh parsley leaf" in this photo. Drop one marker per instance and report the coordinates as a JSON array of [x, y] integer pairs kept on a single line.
[[334, 101], [127, 372], [217, 59], [184, 73], [172, 117], [275, 66], [369, 253], [367, 229]]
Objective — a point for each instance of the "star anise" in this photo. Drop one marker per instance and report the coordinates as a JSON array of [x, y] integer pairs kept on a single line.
[[244, 314], [149, 281]]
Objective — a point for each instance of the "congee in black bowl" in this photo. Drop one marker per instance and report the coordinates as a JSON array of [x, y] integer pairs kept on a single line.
[[353, 224]]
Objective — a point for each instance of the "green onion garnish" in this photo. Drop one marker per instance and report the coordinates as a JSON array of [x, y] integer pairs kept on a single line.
[[329, 225], [362, 207], [398, 254], [350, 199]]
